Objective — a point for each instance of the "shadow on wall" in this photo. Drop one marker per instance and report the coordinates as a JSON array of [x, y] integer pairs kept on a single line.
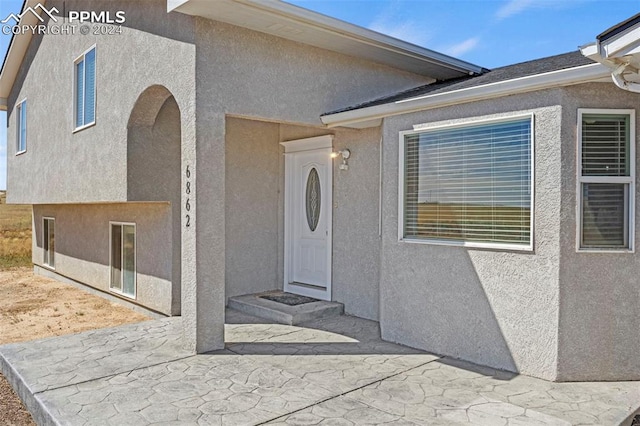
[[149, 16], [433, 298], [153, 175], [154, 154]]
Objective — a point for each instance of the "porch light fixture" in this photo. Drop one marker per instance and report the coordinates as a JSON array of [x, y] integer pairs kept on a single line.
[[345, 154]]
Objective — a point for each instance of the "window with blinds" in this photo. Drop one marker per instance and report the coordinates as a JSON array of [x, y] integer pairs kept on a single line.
[[85, 89], [606, 179], [469, 185]]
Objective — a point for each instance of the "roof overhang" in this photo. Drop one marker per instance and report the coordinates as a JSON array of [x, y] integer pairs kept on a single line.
[[618, 49], [298, 24], [371, 116], [15, 54]]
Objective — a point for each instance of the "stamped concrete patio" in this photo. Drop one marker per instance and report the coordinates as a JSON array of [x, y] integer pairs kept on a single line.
[[334, 371]]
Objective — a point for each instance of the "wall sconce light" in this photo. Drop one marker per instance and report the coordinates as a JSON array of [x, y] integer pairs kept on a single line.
[[345, 154]]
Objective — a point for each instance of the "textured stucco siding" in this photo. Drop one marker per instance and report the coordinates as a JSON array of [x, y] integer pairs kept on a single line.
[[255, 208], [356, 219], [153, 172], [245, 73], [253, 74], [599, 326], [82, 246], [493, 307], [91, 165], [252, 206]]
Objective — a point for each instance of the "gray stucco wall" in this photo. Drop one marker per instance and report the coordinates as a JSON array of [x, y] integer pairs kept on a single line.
[[356, 220], [253, 75], [91, 165], [82, 246], [255, 208], [253, 183], [493, 307], [237, 72], [153, 171], [599, 324]]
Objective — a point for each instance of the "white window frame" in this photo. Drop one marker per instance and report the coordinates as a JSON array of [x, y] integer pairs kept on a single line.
[[470, 244], [135, 260], [19, 123], [75, 90], [45, 238], [630, 180]]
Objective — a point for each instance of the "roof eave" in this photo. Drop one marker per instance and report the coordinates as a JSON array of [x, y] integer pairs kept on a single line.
[[15, 54], [618, 49], [337, 27], [566, 77]]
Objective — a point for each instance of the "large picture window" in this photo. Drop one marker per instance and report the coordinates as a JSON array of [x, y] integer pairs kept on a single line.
[[468, 184], [606, 179], [85, 89], [123, 258]]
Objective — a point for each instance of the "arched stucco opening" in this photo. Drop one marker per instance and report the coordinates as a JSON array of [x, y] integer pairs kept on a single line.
[[153, 165]]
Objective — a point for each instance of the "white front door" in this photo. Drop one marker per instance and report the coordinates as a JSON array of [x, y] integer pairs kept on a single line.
[[308, 208]]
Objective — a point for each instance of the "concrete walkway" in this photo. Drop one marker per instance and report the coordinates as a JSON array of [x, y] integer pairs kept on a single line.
[[334, 371]]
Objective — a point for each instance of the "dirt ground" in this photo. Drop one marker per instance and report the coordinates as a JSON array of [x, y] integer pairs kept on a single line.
[[34, 307]]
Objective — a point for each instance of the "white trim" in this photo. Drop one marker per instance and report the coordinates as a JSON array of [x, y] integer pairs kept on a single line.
[[419, 128], [622, 44], [467, 123], [76, 61], [81, 128], [19, 107], [308, 144], [577, 75], [590, 51], [630, 180], [44, 262], [135, 259]]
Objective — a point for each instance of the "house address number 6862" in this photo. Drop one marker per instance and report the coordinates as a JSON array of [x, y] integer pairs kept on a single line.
[[187, 206]]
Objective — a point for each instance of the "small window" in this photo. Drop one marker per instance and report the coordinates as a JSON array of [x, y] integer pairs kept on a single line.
[[85, 89], [468, 185], [21, 127], [606, 179], [123, 259], [48, 241]]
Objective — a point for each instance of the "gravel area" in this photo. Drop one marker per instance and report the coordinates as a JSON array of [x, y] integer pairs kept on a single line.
[[12, 412]]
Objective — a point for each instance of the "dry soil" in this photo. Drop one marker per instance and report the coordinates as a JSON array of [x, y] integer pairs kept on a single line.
[[34, 307]]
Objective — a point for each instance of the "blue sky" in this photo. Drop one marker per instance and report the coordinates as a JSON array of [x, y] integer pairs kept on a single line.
[[490, 33]]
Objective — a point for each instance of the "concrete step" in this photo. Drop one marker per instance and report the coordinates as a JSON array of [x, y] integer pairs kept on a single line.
[[253, 304]]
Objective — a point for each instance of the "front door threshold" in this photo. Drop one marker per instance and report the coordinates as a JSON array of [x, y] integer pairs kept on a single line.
[[273, 306]]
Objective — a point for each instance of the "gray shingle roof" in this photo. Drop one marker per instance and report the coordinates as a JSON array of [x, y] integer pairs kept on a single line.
[[510, 72]]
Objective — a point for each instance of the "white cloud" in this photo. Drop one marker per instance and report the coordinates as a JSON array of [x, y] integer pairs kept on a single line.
[[408, 30], [462, 47], [513, 7]]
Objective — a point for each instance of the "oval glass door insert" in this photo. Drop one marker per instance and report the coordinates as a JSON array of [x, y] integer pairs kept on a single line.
[[312, 200]]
